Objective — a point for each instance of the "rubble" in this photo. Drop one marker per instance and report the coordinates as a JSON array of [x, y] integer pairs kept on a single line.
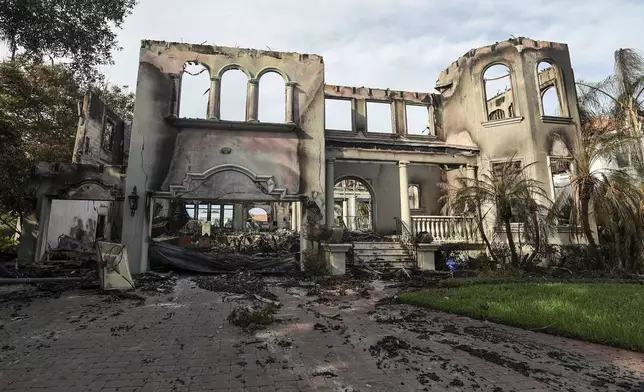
[[252, 318], [155, 283], [239, 283]]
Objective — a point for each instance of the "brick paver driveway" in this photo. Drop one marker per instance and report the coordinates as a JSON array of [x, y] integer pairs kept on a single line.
[[181, 341]]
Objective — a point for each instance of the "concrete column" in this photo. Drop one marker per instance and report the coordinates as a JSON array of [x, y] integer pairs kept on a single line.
[[293, 219], [329, 198], [352, 212], [359, 115], [43, 228], [252, 100], [290, 102], [345, 212], [405, 215], [175, 108], [214, 100], [399, 117], [238, 216]]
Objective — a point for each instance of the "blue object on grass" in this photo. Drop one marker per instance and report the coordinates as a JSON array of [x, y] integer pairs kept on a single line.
[[451, 264]]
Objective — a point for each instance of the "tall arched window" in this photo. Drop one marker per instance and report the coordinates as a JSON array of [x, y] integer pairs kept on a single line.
[[234, 85], [272, 98], [195, 88], [549, 89], [357, 204], [499, 97]]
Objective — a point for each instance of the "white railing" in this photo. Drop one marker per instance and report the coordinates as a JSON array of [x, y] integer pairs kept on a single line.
[[446, 229]]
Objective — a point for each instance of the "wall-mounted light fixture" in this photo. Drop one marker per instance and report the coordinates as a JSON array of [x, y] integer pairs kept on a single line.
[[133, 199]]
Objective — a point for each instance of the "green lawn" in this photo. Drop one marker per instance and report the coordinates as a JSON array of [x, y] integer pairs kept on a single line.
[[608, 313]]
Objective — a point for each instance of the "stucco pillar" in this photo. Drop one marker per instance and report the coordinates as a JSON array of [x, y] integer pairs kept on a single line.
[[293, 220], [296, 216], [175, 108], [399, 116], [345, 211], [328, 197], [238, 216], [359, 115], [214, 100], [405, 215], [290, 102], [352, 212], [252, 100]]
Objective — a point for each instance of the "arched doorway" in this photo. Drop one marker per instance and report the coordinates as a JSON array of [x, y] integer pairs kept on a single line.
[[355, 204]]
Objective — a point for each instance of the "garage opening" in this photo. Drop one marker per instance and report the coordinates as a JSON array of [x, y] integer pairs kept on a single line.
[[215, 236]]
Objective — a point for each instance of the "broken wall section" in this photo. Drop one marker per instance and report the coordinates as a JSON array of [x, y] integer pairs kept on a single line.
[[102, 137], [522, 130]]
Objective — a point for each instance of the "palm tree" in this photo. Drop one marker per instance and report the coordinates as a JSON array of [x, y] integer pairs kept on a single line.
[[512, 197], [610, 196], [611, 113], [620, 97]]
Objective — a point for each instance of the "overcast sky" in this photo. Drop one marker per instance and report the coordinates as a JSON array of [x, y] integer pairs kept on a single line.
[[397, 44]]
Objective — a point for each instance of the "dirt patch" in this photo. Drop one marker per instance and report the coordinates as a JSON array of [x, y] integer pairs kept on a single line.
[[388, 347], [239, 283], [253, 319], [154, 283]]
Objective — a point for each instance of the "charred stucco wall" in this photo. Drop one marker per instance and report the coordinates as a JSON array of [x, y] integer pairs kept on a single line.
[[162, 153], [94, 117], [463, 116], [428, 178], [79, 220], [54, 181]]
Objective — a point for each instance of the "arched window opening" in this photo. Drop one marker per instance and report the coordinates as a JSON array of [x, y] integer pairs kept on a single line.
[[234, 85], [195, 88], [258, 219], [413, 191], [549, 89], [550, 102], [498, 92], [272, 98], [498, 114], [357, 205]]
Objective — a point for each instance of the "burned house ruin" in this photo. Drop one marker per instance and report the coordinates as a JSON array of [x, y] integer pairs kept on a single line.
[[509, 99]]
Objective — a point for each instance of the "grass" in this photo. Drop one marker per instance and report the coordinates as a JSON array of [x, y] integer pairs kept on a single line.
[[607, 313]]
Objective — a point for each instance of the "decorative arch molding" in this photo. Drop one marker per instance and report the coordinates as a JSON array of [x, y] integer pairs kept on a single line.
[[90, 189], [276, 70], [234, 66], [266, 182]]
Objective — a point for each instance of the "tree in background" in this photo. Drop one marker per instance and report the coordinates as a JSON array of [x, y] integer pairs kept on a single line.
[[79, 30], [55, 48]]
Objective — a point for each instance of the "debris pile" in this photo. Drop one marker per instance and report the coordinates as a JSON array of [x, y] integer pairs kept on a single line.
[[228, 251], [239, 283], [253, 318], [155, 283]]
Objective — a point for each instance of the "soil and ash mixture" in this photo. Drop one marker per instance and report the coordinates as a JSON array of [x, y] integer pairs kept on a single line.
[[428, 343], [238, 283], [155, 283]]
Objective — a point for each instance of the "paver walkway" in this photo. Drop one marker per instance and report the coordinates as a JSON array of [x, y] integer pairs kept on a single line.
[[182, 342]]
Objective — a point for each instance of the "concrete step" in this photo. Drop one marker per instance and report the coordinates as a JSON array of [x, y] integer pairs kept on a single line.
[[377, 245]]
